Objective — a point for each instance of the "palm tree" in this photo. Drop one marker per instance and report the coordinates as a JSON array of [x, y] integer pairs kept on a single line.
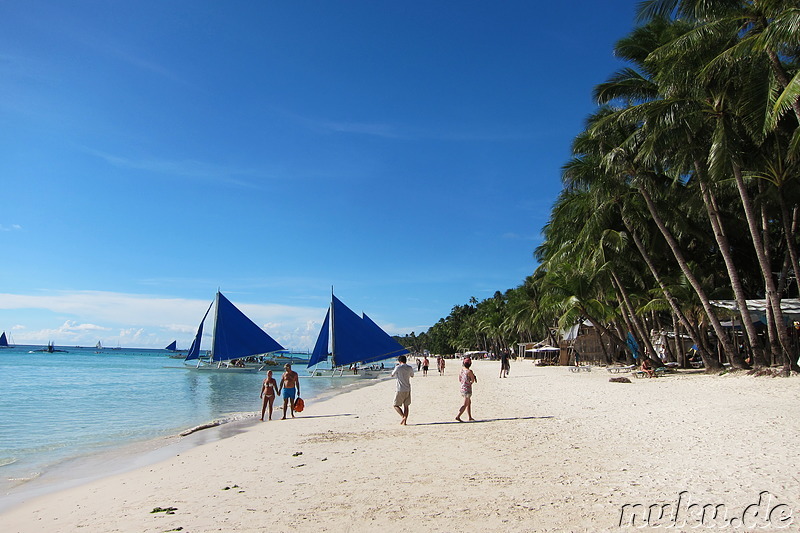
[[749, 36], [677, 124], [587, 171]]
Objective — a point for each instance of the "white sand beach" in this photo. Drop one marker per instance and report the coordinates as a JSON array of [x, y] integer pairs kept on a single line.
[[551, 450]]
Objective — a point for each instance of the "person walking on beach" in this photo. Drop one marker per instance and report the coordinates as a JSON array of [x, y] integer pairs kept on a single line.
[[268, 390], [425, 366], [290, 385], [440, 365], [402, 399], [505, 364], [466, 378], [419, 363]]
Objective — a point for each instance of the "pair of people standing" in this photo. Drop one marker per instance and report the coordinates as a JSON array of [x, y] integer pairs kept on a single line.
[[403, 372], [289, 389]]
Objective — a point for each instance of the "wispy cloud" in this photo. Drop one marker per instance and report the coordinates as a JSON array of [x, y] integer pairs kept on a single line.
[[360, 128], [513, 236], [186, 168], [144, 320], [399, 131], [12, 227]]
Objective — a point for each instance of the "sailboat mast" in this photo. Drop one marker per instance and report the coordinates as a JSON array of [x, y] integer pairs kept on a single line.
[[333, 335], [214, 333]]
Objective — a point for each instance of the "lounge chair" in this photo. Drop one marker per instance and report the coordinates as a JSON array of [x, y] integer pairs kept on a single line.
[[620, 369], [658, 372]]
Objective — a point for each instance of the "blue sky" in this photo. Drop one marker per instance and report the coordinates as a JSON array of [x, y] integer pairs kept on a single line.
[[405, 153]]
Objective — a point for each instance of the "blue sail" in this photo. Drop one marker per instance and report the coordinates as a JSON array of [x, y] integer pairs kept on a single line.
[[349, 342], [237, 336], [3, 340], [173, 346], [356, 340], [320, 352], [194, 349], [385, 346]]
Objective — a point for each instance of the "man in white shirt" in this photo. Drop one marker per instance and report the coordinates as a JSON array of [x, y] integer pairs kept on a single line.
[[403, 372]]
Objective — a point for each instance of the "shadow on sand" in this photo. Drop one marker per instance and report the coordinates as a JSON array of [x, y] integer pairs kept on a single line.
[[322, 416], [484, 420]]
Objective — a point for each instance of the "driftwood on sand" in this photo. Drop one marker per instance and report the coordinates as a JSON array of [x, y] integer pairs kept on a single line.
[[201, 426]]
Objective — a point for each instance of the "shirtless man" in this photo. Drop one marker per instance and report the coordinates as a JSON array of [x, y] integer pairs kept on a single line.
[[290, 385], [268, 389]]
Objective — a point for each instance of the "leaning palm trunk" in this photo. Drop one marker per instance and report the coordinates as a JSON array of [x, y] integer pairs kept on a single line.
[[773, 298], [727, 348], [789, 233], [681, 357], [635, 322], [733, 273], [711, 363]]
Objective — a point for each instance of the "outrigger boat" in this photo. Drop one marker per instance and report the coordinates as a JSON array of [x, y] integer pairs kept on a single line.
[[175, 353], [235, 337], [352, 342]]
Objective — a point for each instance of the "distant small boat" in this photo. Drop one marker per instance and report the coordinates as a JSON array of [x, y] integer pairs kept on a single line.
[[98, 346], [4, 341], [175, 352], [51, 348], [235, 337]]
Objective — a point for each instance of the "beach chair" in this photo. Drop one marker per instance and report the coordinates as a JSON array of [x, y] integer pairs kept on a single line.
[[582, 368], [620, 369], [657, 373]]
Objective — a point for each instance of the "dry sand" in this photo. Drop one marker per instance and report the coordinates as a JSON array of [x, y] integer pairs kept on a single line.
[[551, 450]]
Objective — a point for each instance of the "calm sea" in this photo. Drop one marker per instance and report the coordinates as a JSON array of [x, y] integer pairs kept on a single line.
[[55, 407]]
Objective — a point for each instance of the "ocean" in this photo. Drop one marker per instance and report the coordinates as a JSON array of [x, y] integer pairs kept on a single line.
[[59, 407]]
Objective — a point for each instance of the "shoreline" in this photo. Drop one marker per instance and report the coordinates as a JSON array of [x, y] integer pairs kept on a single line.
[[119, 458], [115, 459], [550, 450]]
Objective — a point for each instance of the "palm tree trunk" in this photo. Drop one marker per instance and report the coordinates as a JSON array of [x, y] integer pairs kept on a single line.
[[640, 330], [676, 327], [733, 273], [710, 363], [789, 233], [693, 281], [773, 298]]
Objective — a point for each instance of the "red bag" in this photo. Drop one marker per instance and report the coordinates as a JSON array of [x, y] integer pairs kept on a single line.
[[299, 405]]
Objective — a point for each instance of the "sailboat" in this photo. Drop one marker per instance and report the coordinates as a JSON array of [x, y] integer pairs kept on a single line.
[[352, 339], [175, 352], [4, 341], [235, 337]]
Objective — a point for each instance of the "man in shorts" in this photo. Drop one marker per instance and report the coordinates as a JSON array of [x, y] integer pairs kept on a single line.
[[402, 399], [289, 388]]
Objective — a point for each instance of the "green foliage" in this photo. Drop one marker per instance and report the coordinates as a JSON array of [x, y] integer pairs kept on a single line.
[[711, 89]]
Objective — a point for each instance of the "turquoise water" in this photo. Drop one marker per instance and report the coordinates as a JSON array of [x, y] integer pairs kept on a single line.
[[59, 406]]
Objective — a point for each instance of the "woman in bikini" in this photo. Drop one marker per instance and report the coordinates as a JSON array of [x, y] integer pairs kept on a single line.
[[268, 390]]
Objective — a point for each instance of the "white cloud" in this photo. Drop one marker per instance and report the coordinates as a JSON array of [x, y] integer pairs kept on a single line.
[[12, 227], [141, 320]]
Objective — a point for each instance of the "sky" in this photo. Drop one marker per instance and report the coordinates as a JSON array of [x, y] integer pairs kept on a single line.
[[403, 154]]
